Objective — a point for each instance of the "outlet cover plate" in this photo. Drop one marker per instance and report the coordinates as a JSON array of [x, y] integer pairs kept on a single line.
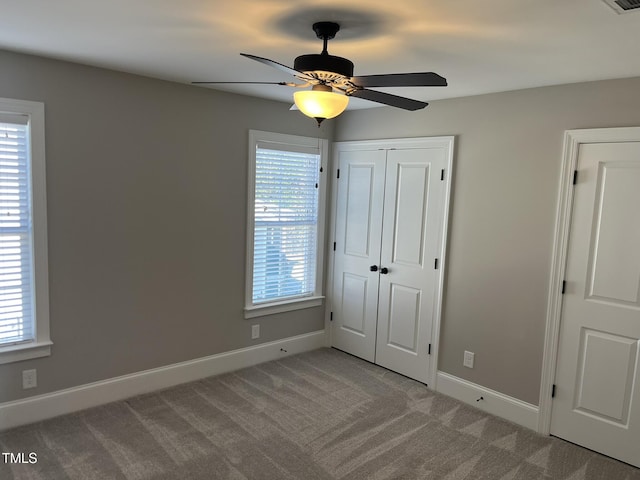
[[469, 358], [29, 379], [255, 331]]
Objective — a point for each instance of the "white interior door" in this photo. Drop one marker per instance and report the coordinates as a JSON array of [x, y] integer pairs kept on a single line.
[[358, 235], [390, 227], [597, 401], [412, 226]]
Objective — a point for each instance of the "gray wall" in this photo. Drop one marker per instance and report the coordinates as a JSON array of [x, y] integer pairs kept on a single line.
[[505, 187], [146, 208]]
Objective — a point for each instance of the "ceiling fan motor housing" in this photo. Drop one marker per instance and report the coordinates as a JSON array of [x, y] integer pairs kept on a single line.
[[324, 63]]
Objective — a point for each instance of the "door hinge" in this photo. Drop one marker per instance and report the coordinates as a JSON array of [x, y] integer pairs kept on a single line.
[[331, 317], [338, 174], [553, 391], [435, 264], [564, 286], [575, 177], [334, 246], [429, 352], [442, 174]]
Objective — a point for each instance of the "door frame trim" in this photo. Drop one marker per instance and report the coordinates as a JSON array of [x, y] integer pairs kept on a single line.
[[572, 141], [448, 142]]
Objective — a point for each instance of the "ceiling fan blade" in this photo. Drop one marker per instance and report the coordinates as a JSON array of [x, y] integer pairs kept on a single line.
[[388, 99], [424, 79], [279, 66], [249, 83]]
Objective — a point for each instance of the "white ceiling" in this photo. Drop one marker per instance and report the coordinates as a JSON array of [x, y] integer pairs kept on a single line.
[[480, 46]]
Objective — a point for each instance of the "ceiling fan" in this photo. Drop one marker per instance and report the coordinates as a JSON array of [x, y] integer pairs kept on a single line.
[[328, 74]]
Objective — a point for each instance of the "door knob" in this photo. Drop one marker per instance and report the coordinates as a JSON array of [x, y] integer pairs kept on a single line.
[[373, 268], [384, 270]]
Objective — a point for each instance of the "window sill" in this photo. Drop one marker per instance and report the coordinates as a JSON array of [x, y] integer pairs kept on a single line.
[[280, 307], [25, 351]]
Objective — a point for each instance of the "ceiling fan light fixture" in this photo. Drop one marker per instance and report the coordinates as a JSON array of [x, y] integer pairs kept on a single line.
[[328, 72], [320, 102]]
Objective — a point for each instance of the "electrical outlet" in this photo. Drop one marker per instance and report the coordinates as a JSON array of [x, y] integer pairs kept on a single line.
[[468, 359], [29, 379], [255, 331]]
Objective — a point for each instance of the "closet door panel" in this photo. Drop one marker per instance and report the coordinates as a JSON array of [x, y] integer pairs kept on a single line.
[[358, 236], [404, 317], [411, 228], [410, 189]]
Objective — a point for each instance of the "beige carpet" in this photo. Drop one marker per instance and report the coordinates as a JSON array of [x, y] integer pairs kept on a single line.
[[319, 415]]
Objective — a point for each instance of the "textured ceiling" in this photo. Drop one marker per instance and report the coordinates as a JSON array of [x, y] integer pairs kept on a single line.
[[479, 46]]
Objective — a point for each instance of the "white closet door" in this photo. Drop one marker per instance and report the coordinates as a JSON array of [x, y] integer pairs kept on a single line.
[[358, 234], [412, 227]]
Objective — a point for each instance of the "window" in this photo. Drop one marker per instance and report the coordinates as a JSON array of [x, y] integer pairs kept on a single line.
[[285, 223], [24, 295]]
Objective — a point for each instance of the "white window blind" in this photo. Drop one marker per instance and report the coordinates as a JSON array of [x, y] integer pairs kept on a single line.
[[16, 233], [285, 224]]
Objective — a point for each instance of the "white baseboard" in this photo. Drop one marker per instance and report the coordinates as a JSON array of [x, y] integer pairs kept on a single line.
[[493, 402], [41, 407]]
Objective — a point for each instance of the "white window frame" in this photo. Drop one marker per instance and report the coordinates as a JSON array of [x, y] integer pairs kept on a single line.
[[279, 141], [41, 345]]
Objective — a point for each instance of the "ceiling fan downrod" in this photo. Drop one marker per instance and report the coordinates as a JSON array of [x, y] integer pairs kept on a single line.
[[325, 31]]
